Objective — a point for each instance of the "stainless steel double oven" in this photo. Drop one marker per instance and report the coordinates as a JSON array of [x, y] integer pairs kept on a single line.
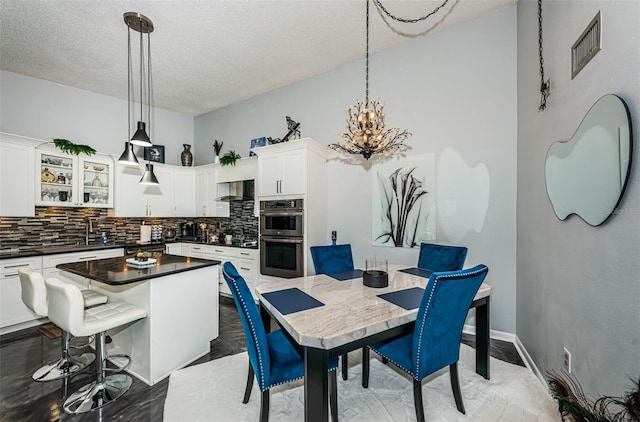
[[282, 238]]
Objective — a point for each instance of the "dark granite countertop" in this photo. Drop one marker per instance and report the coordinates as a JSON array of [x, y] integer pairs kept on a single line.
[[58, 249], [52, 250], [115, 271]]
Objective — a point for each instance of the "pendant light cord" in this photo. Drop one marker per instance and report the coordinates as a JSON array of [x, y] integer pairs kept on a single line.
[[128, 83], [149, 82], [141, 70], [366, 97]]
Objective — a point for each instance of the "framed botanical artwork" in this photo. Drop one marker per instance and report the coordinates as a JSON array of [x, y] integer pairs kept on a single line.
[[257, 143], [154, 153]]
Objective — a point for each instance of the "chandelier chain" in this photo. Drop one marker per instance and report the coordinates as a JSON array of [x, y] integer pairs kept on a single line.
[[404, 20], [544, 86], [366, 96]]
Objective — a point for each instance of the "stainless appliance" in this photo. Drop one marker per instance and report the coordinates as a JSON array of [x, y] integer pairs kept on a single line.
[[282, 217], [188, 230], [241, 190], [282, 238]]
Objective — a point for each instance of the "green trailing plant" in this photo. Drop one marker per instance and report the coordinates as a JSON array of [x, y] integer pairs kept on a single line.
[[69, 147], [229, 231], [229, 159], [217, 147], [574, 405]]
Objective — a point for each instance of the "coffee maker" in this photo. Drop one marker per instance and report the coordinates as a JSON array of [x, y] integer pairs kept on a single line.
[[188, 230]]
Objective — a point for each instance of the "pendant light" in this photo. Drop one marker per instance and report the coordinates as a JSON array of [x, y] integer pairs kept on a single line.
[[366, 133], [128, 157], [149, 178], [143, 25]]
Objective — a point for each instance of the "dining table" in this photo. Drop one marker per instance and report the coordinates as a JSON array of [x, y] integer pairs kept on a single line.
[[329, 315]]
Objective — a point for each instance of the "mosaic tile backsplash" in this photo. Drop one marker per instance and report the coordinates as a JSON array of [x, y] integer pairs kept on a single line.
[[57, 226]]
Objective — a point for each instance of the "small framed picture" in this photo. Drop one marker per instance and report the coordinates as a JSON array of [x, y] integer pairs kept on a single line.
[[257, 143], [154, 153]]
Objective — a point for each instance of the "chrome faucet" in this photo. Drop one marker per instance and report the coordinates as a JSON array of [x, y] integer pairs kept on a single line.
[[88, 229]]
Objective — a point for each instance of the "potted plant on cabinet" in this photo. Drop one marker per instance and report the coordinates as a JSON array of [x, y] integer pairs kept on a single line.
[[229, 158], [217, 148], [228, 234]]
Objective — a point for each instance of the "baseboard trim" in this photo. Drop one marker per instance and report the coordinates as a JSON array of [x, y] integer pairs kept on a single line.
[[526, 357], [498, 335], [522, 351]]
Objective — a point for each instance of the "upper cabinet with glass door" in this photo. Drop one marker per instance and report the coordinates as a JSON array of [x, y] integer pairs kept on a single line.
[[65, 180]]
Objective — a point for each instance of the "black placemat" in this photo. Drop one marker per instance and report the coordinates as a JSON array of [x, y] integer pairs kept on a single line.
[[420, 272], [407, 299], [292, 300], [346, 275]]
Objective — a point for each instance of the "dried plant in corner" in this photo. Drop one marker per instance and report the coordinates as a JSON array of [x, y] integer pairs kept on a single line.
[[69, 147], [574, 405]]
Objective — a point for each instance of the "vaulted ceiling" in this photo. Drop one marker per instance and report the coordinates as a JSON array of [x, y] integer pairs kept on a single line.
[[207, 54]]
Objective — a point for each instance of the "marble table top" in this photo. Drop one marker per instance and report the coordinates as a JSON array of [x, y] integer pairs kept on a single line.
[[351, 310], [115, 271]]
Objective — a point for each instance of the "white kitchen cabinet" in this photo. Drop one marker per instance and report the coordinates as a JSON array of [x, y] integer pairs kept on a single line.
[[173, 248], [290, 169], [49, 263], [173, 197], [184, 192], [160, 198], [207, 190], [12, 310], [244, 259], [282, 174], [65, 180], [17, 183]]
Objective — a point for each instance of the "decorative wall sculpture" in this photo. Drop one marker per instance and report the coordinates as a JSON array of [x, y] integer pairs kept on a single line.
[[404, 194]]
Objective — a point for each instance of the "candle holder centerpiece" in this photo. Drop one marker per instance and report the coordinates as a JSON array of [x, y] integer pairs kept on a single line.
[[376, 273]]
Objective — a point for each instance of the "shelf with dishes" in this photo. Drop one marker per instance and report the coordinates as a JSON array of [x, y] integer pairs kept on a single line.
[[74, 181]]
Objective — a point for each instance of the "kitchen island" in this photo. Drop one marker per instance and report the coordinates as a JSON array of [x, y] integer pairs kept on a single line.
[[180, 295]]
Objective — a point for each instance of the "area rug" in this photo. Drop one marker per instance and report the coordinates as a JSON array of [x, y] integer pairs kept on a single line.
[[213, 391]]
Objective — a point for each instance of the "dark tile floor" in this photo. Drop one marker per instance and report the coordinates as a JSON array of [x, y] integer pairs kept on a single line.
[[22, 352]]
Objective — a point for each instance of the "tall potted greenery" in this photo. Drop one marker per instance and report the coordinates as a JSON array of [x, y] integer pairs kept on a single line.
[[228, 234]]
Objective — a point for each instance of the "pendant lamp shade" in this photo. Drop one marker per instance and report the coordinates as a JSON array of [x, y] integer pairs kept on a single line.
[[141, 138], [149, 178], [143, 25], [128, 157]]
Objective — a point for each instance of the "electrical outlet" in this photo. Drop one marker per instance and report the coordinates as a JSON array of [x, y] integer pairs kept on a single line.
[[567, 360]]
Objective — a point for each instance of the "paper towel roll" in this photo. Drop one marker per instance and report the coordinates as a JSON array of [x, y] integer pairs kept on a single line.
[[145, 233]]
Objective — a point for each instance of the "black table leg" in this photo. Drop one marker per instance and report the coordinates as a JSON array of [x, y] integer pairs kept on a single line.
[[316, 385], [266, 319], [482, 339]]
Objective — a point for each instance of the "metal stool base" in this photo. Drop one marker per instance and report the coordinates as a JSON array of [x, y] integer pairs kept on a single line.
[[63, 368], [94, 396]]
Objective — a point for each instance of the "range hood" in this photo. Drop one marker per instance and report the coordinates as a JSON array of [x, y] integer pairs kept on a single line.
[[241, 190]]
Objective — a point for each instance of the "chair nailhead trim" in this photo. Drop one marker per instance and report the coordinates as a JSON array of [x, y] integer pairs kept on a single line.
[[251, 325]]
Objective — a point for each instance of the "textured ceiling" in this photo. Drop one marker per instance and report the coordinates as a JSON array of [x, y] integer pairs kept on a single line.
[[205, 54]]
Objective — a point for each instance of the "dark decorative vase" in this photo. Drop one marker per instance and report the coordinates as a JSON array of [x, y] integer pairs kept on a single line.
[[186, 156]]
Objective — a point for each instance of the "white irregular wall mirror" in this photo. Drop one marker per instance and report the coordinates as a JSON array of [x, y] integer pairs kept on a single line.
[[587, 174]]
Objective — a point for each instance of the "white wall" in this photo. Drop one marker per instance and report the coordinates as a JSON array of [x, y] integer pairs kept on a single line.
[[44, 110], [578, 286], [455, 90]]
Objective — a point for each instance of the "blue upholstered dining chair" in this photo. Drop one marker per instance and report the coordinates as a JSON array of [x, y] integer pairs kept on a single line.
[[329, 260], [332, 259], [435, 341], [436, 257], [273, 359]]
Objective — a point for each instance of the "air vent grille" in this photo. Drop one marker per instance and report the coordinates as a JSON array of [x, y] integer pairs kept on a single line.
[[587, 46]]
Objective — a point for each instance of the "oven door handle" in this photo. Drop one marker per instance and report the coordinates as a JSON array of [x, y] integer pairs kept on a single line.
[[297, 213], [282, 239]]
